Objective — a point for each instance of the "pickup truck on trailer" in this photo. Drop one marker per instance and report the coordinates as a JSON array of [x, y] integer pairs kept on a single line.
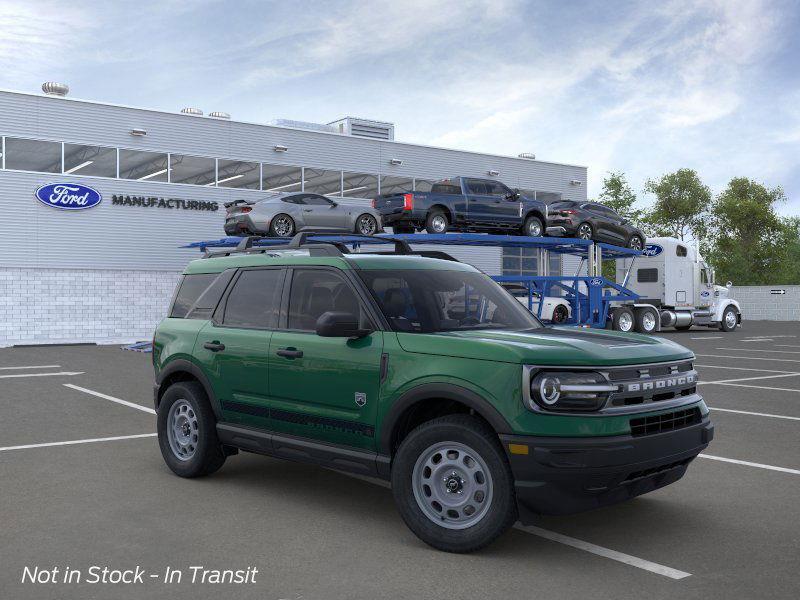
[[464, 204]]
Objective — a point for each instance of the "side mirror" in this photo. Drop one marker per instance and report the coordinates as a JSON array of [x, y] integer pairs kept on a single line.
[[334, 204], [340, 324]]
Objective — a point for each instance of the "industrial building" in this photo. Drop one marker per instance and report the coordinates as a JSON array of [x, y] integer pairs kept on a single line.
[[107, 273]]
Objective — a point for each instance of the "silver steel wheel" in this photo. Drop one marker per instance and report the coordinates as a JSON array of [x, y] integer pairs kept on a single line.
[[183, 432], [283, 226], [730, 319], [534, 228], [585, 231], [439, 223], [367, 225], [648, 321], [635, 243], [452, 485], [625, 322]]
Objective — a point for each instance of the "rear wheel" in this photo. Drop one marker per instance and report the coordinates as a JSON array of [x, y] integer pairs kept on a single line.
[[452, 484], [584, 231], [635, 243], [533, 227], [729, 319], [282, 226], [366, 224], [645, 321], [187, 431], [436, 222], [623, 320], [560, 314]]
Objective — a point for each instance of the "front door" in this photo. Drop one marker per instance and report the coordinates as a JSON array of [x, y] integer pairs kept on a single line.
[[320, 212], [488, 204], [233, 349], [323, 388]]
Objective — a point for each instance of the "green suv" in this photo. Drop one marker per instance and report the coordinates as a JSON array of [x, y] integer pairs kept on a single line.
[[421, 371]]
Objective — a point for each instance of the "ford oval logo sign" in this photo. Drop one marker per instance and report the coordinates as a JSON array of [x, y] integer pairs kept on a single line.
[[596, 282], [68, 196], [652, 250]]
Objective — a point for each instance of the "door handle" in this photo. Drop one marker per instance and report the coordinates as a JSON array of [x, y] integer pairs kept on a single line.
[[290, 353], [308, 210], [214, 346]]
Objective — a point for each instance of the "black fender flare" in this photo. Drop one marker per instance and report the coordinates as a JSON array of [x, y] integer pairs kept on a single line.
[[186, 366], [534, 212], [446, 391]]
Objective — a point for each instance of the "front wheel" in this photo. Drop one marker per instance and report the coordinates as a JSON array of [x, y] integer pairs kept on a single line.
[[533, 227], [452, 484], [729, 319], [635, 243], [560, 314], [366, 224], [584, 231], [187, 431]]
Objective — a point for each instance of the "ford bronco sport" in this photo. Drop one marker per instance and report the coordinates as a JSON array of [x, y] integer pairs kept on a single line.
[[421, 371]]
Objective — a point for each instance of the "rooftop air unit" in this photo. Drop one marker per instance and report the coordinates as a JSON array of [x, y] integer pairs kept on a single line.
[[219, 115], [192, 111], [51, 88], [377, 130], [303, 125]]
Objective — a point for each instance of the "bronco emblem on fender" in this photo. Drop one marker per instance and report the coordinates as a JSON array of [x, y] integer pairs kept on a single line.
[[361, 399]]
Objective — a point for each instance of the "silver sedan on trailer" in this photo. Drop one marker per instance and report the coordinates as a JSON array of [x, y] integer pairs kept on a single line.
[[284, 214]]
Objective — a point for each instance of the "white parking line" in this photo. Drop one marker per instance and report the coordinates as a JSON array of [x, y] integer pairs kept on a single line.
[[73, 442], [758, 387], [755, 414], [758, 340], [708, 337], [751, 350], [751, 464], [786, 345], [742, 368], [749, 358], [737, 380], [639, 563], [31, 367], [15, 375], [568, 541], [111, 398]]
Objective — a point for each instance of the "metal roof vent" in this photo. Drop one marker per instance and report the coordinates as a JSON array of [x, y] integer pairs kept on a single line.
[[51, 88], [527, 155], [192, 111], [219, 115]]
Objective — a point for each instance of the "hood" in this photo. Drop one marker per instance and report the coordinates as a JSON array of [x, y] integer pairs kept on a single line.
[[567, 346], [720, 291]]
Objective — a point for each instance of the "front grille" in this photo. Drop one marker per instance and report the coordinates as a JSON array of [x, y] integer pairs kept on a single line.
[[643, 384], [665, 422]]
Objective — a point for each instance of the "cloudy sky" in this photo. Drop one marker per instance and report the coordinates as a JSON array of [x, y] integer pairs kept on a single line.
[[642, 87]]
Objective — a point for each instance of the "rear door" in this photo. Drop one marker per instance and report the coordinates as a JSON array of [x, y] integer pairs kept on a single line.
[[324, 388], [480, 203], [233, 347]]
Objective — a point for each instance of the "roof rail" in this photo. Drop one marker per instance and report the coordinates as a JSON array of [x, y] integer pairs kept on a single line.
[[300, 240]]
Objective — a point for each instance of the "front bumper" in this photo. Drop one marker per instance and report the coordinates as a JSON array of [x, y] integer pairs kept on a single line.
[[568, 475]]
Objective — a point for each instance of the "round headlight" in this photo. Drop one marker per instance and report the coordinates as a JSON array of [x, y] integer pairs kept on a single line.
[[549, 390]]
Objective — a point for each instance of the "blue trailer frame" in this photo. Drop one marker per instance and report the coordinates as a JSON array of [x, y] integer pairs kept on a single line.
[[589, 296]]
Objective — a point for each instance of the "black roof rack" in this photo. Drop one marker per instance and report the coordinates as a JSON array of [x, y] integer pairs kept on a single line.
[[300, 240]]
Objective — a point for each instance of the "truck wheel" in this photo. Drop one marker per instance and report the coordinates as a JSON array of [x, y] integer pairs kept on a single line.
[[560, 314], [533, 227], [645, 321], [436, 222], [623, 320], [453, 485], [729, 319], [187, 431]]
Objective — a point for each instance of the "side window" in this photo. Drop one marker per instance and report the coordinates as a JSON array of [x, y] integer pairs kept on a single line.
[[446, 187], [294, 199], [704, 276], [495, 188], [189, 291], [315, 200], [647, 275], [254, 300], [681, 250], [204, 306], [315, 292], [476, 186]]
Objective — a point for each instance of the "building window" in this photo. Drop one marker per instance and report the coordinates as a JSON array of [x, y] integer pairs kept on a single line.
[[237, 174], [194, 170], [96, 161], [33, 155], [359, 185], [280, 178], [143, 166], [321, 181], [396, 185]]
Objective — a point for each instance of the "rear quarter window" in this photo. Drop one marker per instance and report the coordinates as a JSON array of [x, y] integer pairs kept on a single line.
[[189, 290]]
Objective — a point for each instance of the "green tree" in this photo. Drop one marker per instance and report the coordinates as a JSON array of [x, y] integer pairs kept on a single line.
[[749, 243], [681, 205], [618, 195]]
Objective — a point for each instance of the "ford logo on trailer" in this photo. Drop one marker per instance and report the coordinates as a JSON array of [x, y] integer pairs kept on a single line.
[[68, 196], [652, 250], [596, 282]]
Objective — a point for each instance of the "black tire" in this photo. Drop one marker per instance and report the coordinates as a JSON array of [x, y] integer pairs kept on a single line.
[[725, 325], [402, 229], [623, 320], [560, 314], [276, 220], [533, 227], [361, 227], [433, 221], [208, 455], [476, 435], [584, 231], [643, 324], [635, 242]]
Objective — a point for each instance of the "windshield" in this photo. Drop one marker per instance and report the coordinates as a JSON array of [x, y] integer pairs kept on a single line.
[[428, 301]]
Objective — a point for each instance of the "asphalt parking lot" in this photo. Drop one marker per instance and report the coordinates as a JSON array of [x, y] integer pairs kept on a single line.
[[729, 529]]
